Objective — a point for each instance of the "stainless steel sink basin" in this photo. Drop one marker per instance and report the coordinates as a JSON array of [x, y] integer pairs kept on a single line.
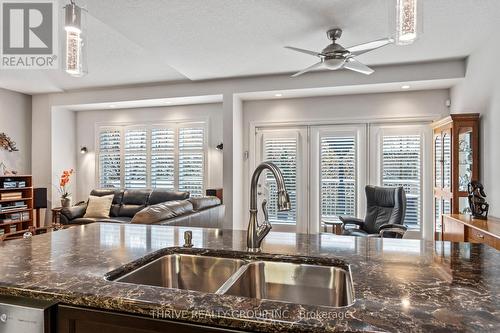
[[184, 271], [295, 283], [252, 277]]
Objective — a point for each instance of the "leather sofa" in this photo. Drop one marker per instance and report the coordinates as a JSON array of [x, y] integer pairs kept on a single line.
[[157, 206]]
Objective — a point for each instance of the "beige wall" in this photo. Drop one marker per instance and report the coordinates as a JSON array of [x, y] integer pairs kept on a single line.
[[86, 122], [15, 121], [480, 92], [337, 110]]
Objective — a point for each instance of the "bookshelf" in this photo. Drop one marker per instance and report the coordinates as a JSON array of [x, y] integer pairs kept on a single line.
[[16, 204]]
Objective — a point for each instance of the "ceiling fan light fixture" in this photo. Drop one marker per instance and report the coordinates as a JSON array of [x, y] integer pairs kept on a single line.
[[75, 43], [333, 64], [408, 13]]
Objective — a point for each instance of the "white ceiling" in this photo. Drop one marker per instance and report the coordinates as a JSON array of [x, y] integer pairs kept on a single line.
[[143, 41]]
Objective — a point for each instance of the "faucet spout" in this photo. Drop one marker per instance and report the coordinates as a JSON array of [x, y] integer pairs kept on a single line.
[[257, 233]]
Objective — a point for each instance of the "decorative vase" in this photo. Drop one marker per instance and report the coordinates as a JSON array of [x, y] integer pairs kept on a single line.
[[65, 202]]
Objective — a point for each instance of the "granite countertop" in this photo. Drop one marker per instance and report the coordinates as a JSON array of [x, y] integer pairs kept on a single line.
[[400, 285]]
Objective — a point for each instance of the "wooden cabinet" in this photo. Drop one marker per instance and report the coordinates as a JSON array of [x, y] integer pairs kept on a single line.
[[16, 205], [82, 320], [464, 228], [456, 163]]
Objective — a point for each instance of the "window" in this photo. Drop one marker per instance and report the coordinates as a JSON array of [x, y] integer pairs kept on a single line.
[[283, 152], [401, 166], [135, 158], [191, 159], [338, 176], [109, 158], [327, 167], [287, 148], [163, 158], [170, 156]]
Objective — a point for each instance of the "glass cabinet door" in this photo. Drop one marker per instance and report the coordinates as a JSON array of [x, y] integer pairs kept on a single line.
[[438, 161], [464, 158], [438, 209], [447, 160]]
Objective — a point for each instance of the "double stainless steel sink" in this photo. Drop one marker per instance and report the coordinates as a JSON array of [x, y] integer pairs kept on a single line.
[[299, 283]]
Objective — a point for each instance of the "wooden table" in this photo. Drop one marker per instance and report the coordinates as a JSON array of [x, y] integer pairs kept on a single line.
[[336, 226], [56, 215], [464, 228]]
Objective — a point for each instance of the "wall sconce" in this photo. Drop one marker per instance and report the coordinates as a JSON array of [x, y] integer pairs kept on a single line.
[[83, 150], [220, 146]]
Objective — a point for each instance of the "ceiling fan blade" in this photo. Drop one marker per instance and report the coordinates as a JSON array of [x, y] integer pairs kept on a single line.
[[310, 68], [355, 65], [316, 54], [366, 47]]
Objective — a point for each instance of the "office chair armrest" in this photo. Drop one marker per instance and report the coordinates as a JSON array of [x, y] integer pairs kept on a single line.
[[390, 227], [351, 220]]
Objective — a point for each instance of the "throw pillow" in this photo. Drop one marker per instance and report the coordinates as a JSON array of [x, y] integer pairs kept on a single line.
[[98, 207]]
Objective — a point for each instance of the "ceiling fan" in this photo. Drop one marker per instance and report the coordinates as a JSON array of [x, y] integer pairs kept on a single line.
[[334, 56]]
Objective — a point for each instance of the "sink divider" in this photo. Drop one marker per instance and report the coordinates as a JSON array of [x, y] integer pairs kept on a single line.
[[232, 279]]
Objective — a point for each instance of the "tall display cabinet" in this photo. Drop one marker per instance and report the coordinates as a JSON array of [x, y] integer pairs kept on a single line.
[[456, 163]]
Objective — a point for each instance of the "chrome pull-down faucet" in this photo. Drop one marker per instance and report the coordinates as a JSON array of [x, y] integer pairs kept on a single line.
[[257, 233]]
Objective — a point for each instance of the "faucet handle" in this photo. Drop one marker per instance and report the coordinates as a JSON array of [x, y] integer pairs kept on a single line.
[[264, 210]]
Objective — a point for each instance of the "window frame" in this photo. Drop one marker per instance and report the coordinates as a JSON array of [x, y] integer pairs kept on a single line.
[[317, 132], [376, 134], [300, 133], [176, 125]]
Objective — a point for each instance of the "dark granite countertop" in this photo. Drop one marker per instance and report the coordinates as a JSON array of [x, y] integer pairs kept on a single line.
[[400, 285]]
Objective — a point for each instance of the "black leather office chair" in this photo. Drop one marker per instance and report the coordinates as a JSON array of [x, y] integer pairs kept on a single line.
[[385, 213]]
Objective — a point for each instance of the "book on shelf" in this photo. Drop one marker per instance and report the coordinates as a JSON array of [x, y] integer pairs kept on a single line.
[[13, 228], [11, 195], [2, 232], [11, 208]]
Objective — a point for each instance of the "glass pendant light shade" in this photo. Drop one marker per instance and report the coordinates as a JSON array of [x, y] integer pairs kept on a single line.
[[75, 44], [408, 21]]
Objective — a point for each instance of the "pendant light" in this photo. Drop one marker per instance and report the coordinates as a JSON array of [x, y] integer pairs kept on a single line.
[[75, 45], [408, 21]]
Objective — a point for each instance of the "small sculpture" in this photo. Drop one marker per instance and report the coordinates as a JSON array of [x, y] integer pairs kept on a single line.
[[478, 205], [6, 172], [7, 143]]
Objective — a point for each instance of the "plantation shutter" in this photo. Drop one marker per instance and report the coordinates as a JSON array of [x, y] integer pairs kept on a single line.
[[163, 158], [109, 158], [283, 152], [338, 176], [191, 159], [401, 166], [135, 158]]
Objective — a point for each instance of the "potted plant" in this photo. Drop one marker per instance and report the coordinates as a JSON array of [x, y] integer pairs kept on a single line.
[[63, 188]]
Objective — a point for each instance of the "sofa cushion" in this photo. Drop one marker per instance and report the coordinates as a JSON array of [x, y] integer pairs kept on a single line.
[[162, 211], [117, 199], [99, 207], [204, 202], [133, 201], [83, 220], [158, 196]]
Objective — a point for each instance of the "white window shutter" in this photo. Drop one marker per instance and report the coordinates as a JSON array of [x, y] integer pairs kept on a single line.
[[109, 158], [283, 152], [338, 176], [191, 161], [135, 158], [401, 166], [163, 158]]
